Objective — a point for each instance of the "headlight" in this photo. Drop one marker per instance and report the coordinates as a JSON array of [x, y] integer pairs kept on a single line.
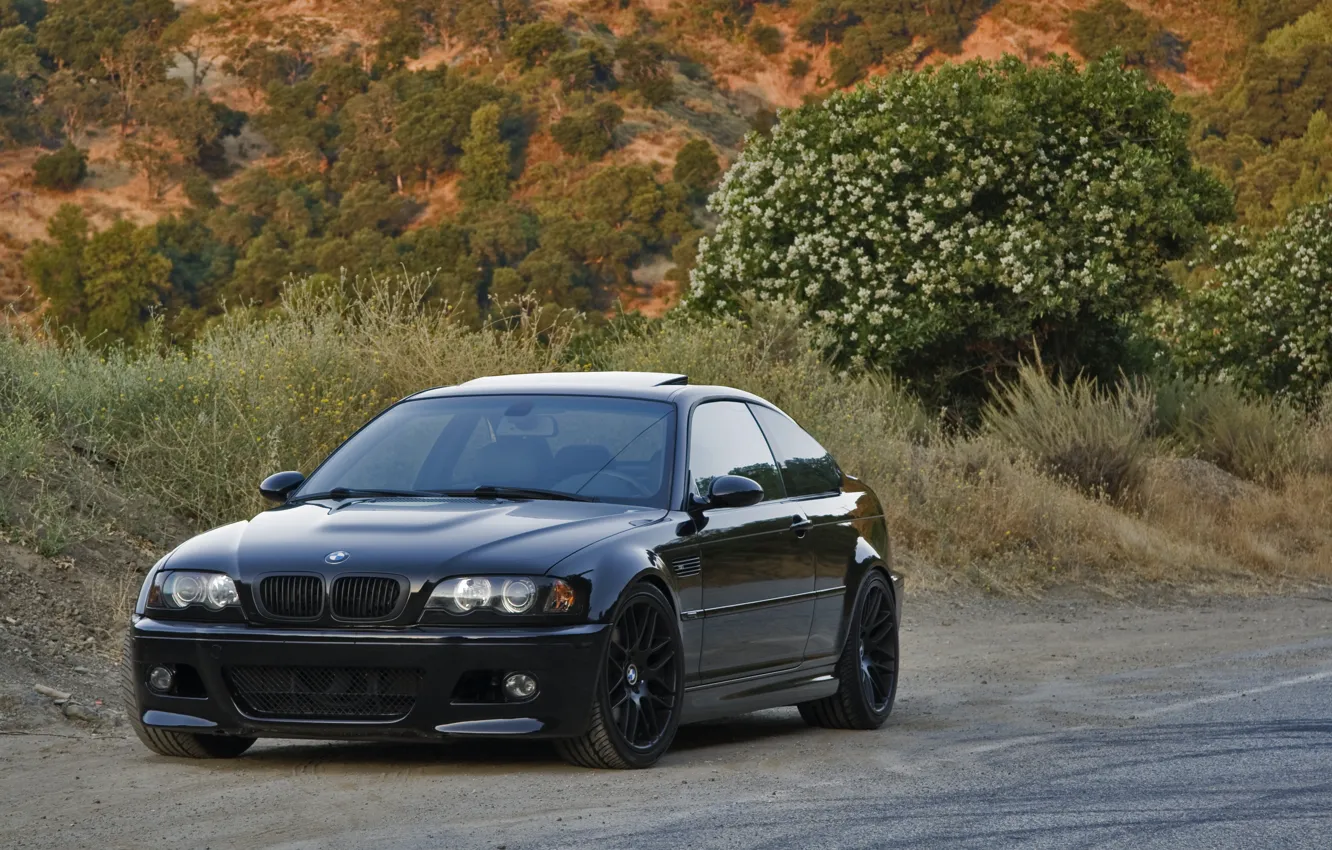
[[516, 595], [179, 589]]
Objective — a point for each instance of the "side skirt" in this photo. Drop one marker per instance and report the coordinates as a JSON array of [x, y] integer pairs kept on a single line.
[[755, 693]]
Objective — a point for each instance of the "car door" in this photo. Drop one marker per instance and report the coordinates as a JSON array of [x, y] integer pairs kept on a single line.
[[757, 574], [814, 490]]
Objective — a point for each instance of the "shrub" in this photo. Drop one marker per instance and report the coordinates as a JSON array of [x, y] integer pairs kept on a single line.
[[939, 223], [768, 39], [1113, 26], [696, 166], [588, 132], [257, 393], [799, 67], [534, 43], [643, 69], [191, 431], [1259, 440], [1095, 438], [63, 170], [199, 192], [1264, 319]]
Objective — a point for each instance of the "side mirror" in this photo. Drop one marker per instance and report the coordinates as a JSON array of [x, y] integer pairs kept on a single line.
[[278, 486], [733, 491]]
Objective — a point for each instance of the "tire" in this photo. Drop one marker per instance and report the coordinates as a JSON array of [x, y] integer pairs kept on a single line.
[[165, 742], [634, 714], [867, 669]]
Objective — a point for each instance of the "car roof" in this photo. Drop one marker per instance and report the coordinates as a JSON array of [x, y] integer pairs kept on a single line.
[[661, 386], [625, 380]]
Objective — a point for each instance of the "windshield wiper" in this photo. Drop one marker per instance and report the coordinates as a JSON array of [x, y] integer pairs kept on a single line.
[[487, 491], [343, 493]]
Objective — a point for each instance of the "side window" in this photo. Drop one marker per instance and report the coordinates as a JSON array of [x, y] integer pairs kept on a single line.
[[807, 468], [724, 439]]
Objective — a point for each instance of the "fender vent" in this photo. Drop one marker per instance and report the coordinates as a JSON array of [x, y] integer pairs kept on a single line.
[[687, 567]]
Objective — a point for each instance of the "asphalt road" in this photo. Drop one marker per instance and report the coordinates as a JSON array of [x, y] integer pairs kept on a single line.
[[1056, 725]]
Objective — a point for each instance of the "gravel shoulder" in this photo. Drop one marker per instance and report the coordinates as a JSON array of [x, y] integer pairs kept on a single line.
[[1050, 708]]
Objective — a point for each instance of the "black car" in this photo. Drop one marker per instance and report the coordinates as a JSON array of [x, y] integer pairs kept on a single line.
[[589, 557]]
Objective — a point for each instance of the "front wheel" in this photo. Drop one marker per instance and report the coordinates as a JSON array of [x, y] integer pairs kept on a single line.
[[867, 669], [166, 742], [636, 706]]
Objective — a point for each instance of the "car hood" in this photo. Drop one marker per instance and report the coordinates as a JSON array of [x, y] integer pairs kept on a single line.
[[420, 539]]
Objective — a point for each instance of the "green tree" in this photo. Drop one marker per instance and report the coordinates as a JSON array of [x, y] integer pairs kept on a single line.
[[192, 37], [534, 43], [24, 13], [485, 159], [56, 267], [643, 68], [153, 153], [78, 33], [1114, 26], [22, 79], [590, 66], [588, 132], [696, 167], [71, 105], [940, 224], [125, 280]]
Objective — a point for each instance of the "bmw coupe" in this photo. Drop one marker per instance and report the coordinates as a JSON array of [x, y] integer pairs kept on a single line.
[[593, 558]]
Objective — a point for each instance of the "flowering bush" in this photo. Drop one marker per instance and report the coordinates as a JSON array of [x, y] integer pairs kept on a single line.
[[941, 223], [1264, 321]]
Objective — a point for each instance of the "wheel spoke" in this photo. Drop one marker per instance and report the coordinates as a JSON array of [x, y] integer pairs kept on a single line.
[[617, 701], [649, 719], [872, 603], [647, 622], [634, 716], [659, 646], [666, 702]]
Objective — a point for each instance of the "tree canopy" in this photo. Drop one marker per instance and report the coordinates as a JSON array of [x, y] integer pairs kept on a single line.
[[946, 224]]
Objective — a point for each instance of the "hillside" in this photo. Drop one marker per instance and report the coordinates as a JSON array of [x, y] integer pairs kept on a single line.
[[553, 152]]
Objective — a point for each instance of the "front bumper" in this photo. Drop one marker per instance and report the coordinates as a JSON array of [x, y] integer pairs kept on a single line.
[[563, 659]]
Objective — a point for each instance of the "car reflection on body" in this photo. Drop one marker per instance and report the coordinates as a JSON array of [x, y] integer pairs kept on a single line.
[[593, 558]]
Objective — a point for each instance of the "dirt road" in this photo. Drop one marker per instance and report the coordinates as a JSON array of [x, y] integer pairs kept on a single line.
[[1058, 724]]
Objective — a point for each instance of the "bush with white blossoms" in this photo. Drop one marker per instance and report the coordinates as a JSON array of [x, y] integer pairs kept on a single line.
[[1264, 319], [944, 223]]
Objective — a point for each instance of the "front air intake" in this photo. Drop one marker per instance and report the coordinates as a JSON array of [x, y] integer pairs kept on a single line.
[[366, 598], [323, 693], [293, 597]]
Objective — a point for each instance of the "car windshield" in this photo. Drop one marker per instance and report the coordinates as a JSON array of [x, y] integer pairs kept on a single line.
[[593, 448]]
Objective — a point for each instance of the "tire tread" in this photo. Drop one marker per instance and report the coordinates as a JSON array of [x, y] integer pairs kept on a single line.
[[843, 709], [166, 742]]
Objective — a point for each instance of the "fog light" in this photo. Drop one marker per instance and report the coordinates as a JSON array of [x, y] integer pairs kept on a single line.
[[161, 679], [520, 686]]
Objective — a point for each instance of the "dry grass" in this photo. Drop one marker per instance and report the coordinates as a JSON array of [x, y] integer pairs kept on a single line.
[[190, 432]]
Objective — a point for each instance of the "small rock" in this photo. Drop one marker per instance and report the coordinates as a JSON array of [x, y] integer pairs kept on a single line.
[[80, 669], [74, 711], [47, 691]]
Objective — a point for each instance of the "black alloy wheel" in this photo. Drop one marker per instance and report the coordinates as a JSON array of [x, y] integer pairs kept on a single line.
[[636, 707], [867, 668]]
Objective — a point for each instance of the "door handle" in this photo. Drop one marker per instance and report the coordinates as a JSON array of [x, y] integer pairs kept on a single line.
[[801, 524]]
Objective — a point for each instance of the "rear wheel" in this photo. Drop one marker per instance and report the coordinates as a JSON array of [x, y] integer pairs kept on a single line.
[[636, 706], [165, 742], [867, 668]]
